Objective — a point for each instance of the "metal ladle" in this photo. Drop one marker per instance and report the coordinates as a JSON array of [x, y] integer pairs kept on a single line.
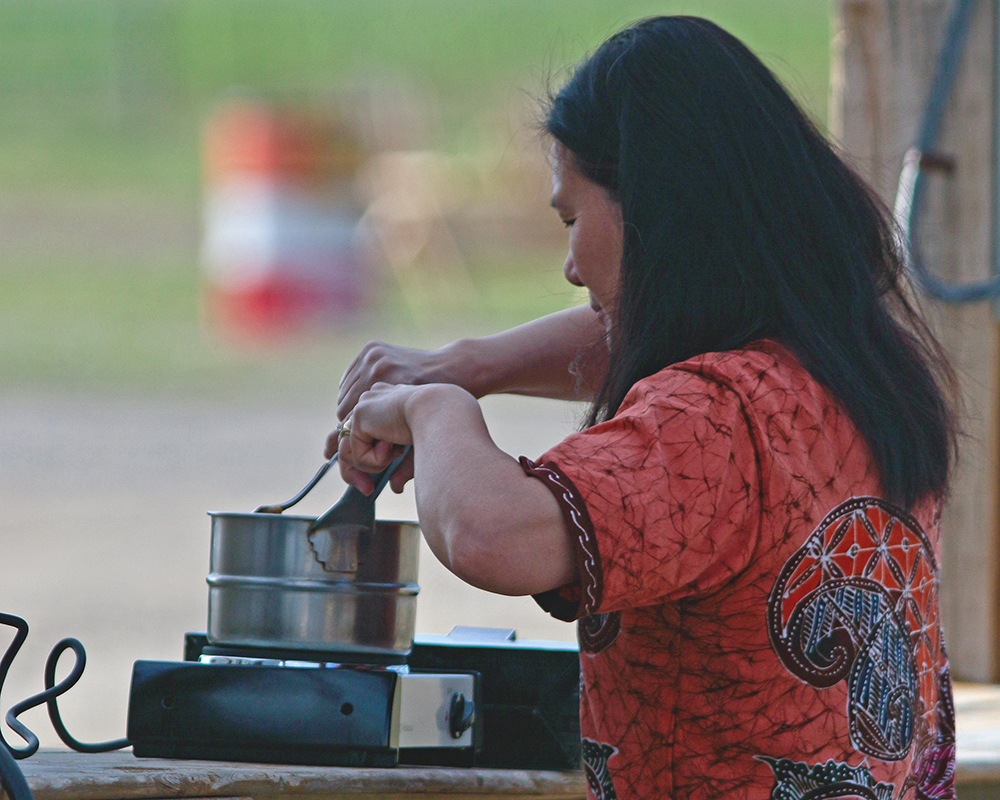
[[279, 507], [349, 519]]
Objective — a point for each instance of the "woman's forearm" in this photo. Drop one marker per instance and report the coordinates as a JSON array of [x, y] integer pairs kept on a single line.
[[487, 521], [562, 356]]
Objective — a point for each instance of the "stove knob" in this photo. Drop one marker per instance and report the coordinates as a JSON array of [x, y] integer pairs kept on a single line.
[[461, 715]]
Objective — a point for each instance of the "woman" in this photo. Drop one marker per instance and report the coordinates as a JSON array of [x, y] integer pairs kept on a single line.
[[747, 527]]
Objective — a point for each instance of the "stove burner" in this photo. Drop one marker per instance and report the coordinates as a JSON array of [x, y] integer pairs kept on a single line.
[[196, 645]]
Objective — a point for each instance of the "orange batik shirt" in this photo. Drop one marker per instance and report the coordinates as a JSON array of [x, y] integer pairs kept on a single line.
[[755, 621]]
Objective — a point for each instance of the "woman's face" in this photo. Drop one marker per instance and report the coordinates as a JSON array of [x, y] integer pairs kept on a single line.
[[595, 233]]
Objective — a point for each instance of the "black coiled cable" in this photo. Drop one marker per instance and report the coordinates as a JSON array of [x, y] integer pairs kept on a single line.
[[13, 780], [11, 777]]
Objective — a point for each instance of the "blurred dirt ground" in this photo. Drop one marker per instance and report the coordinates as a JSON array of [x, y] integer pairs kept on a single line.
[[104, 535]]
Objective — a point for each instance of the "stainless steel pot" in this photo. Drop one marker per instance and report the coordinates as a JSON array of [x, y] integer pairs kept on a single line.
[[275, 584]]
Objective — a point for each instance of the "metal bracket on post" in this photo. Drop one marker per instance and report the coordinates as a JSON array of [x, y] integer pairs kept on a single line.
[[922, 157]]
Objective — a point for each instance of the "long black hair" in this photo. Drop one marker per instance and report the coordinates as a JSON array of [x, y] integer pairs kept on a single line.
[[741, 223]]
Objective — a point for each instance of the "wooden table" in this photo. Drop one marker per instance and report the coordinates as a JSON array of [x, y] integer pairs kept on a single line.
[[63, 775]]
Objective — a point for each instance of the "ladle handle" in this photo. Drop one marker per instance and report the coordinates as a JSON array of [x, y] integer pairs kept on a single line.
[[382, 479], [355, 506], [279, 507]]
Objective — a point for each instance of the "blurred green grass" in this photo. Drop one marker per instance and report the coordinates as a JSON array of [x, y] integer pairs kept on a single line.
[[105, 100], [111, 326], [110, 95]]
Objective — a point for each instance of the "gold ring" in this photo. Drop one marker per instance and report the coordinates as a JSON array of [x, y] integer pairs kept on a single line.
[[344, 428]]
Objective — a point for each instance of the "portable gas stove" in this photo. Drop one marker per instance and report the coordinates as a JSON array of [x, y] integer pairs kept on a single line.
[[310, 657], [476, 697]]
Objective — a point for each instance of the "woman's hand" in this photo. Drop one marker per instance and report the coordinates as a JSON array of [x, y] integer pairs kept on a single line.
[[378, 432], [562, 356], [487, 521], [380, 363]]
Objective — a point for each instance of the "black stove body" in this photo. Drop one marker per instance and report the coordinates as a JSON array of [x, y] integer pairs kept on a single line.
[[472, 698]]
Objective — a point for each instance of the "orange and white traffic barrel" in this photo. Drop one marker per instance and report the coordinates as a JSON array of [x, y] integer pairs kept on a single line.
[[282, 249]]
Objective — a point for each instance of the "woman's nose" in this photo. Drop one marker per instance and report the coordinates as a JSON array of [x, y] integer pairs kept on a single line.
[[569, 271]]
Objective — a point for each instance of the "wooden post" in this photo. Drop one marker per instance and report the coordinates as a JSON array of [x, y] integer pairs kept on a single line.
[[884, 57]]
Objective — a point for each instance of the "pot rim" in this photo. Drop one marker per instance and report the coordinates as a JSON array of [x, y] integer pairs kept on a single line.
[[299, 517]]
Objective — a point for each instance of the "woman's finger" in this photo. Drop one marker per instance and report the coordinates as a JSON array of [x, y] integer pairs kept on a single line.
[[358, 466], [349, 378], [349, 400], [358, 478], [403, 474], [353, 467], [334, 437], [385, 452], [353, 386], [332, 444], [361, 384], [345, 387], [363, 452], [362, 372]]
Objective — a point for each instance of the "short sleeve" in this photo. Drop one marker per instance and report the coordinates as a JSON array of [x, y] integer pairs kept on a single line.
[[662, 501]]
